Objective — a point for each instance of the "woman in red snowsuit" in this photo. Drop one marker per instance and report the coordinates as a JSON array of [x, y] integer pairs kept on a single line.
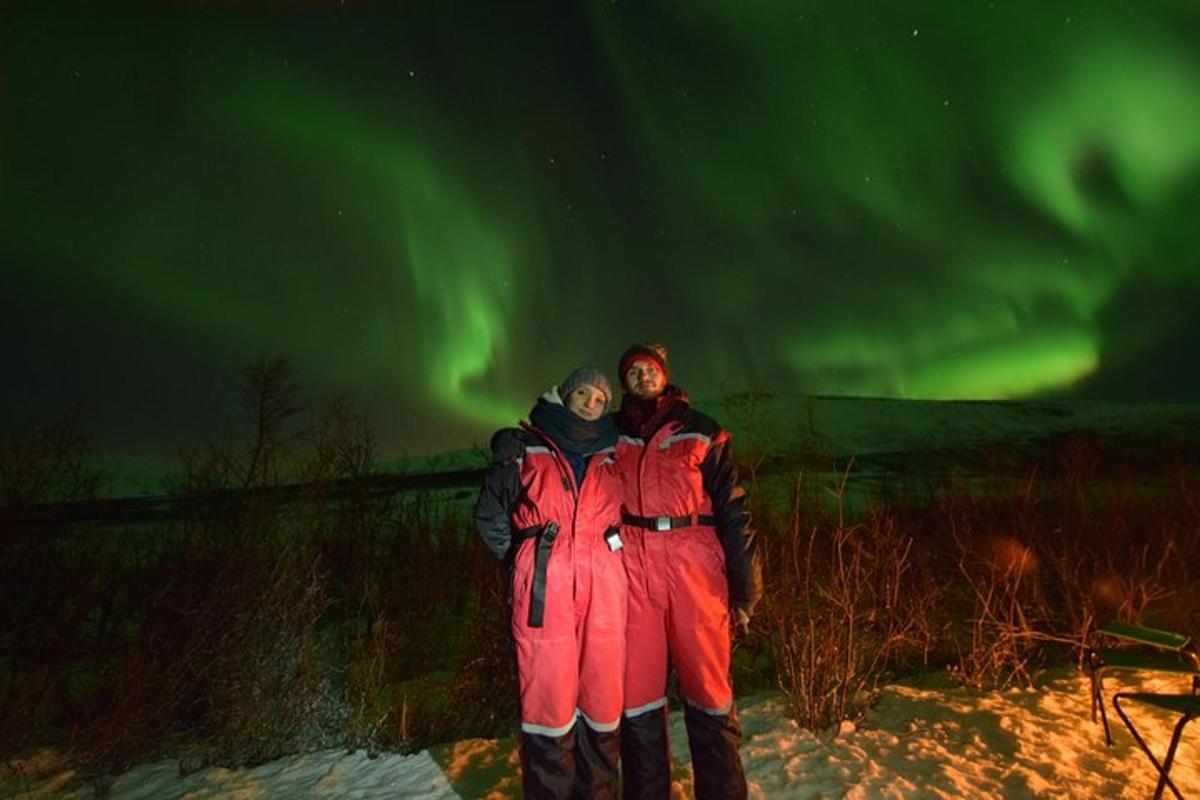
[[551, 508]]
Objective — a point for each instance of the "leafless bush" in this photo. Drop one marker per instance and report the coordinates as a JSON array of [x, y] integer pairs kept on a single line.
[[45, 463], [270, 689], [1080, 540], [993, 577], [847, 605], [1006, 625], [367, 693]]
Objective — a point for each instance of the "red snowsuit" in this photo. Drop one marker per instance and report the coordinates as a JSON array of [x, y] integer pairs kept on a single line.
[[690, 553], [570, 660]]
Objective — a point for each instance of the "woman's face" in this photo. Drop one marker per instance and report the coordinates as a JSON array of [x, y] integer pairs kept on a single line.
[[586, 402]]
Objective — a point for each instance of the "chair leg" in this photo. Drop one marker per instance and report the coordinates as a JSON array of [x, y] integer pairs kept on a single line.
[[1164, 779], [1098, 702], [1095, 691]]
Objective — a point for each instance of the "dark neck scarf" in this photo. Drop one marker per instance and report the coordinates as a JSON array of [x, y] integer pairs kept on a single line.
[[639, 417], [571, 433]]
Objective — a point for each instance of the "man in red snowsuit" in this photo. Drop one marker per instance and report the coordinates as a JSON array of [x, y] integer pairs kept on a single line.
[[550, 507], [692, 563]]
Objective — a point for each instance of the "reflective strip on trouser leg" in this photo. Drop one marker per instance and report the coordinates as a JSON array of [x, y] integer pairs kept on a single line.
[[717, 712], [547, 730], [653, 705], [600, 727]]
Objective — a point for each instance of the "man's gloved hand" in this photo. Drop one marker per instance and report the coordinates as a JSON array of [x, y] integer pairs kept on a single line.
[[741, 620]]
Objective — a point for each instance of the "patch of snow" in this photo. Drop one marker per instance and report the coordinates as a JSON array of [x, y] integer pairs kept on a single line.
[[929, 740], [327, 773]]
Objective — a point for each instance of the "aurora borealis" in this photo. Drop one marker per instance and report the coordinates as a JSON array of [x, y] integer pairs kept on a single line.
[[442, 211]]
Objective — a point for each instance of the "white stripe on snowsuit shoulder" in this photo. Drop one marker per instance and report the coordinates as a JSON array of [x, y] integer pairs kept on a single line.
[[633, 440], [544, 730], [651, 706], [605, 450], [681, 436], [538, 449]]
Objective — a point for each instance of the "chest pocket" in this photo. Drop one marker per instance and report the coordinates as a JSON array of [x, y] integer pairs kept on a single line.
[[680, 485], [683, 450], [603, 490]]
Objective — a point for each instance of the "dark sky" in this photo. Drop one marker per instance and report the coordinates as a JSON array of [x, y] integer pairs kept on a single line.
[[443, 210]]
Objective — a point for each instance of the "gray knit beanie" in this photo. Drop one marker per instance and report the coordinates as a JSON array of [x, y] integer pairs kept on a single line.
[[586, 376]]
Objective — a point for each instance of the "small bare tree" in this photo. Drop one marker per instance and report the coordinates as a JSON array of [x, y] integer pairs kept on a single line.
[[342, 442], [270, 396], [46, 463]]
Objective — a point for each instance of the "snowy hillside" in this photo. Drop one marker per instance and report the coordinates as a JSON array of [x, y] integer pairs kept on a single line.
[[862, 426]]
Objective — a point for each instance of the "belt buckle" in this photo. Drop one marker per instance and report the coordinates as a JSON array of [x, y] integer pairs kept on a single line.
[[662, 524]]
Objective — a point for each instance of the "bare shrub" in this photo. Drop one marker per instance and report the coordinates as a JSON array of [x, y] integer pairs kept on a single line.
[[1082, 539], [270, 397], [269, 689], [371, 710], [45, 463], [847, 606], [1006, 625]]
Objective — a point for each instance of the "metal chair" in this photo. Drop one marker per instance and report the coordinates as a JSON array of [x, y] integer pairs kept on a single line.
[[1186, 705], [1171, 654]]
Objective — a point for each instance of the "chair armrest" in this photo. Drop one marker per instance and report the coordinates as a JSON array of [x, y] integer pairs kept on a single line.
[[1164, 640]]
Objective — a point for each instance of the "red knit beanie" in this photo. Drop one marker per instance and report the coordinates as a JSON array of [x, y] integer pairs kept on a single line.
[[650, 351]]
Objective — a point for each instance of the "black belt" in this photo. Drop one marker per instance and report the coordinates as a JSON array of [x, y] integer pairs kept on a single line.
[[667, 523], [545, 535]]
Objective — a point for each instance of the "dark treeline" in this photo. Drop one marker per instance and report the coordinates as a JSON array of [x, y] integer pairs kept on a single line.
[[132, 510]]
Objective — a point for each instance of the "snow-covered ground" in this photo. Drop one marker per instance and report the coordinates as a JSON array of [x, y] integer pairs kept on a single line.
[[928, 740]]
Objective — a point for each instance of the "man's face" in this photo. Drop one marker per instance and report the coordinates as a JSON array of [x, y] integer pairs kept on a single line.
[[586, 402], [644, 379]]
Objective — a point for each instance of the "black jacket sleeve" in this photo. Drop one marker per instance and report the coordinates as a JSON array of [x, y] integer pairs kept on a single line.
[[501, 489], [734, 529]]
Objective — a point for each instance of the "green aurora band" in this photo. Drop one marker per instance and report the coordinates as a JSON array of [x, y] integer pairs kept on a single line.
[[923, 285], [442, 215]]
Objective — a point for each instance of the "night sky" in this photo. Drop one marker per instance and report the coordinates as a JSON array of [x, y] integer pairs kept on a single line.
[[442, 211]]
